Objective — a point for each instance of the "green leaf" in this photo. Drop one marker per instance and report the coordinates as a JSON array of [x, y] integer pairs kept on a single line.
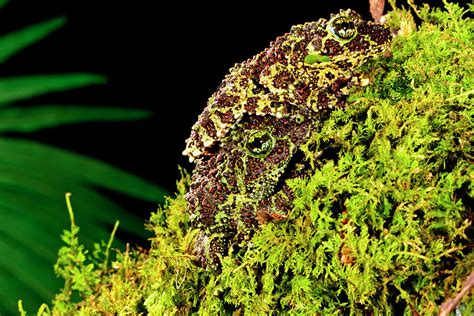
[[31, 119], [49, 214], [43, 158], [11, 289], [12, 43], [34, 178], [22, 271], [3, 3], [32, 234], [35, 211], [25, 87]]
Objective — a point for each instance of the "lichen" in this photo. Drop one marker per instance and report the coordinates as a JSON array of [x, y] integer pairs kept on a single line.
[[383, 226]]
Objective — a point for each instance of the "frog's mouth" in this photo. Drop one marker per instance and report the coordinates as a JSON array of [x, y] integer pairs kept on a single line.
[[296, 165], [270, 186]]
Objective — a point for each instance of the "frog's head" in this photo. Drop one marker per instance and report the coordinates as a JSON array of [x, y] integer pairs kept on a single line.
[[260, 149], [243, 179], [322, 60], [345, 38]]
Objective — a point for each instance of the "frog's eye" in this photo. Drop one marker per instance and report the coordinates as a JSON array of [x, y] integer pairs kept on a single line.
[[343, 28], [260, 143]]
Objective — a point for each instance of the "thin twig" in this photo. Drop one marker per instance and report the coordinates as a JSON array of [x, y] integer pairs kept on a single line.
[[109, 245], [71, 213], [451, 303]]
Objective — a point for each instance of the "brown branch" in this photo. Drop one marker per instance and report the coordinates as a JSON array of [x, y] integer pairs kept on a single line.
[[451, 303], [376, 9]]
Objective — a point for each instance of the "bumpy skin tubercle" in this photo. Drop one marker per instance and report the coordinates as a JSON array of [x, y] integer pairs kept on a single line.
[[247, 141]]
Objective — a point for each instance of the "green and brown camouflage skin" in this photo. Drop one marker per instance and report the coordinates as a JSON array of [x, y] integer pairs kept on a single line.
[[248, 140]]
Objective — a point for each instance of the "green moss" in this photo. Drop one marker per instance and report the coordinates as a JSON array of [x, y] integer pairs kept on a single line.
[[384, 227]]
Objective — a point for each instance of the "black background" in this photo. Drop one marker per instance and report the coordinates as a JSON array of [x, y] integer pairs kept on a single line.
[[164, 57]]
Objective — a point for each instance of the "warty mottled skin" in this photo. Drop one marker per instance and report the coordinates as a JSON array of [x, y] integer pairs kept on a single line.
[[248, 140]]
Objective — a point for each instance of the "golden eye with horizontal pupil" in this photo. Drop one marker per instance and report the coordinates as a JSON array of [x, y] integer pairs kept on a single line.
[[260, 143], [343, 28]]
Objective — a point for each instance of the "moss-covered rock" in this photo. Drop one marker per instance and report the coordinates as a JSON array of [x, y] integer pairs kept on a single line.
[[384, 226]]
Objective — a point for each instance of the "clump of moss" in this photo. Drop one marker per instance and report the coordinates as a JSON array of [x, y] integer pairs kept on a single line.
[[385, 227]]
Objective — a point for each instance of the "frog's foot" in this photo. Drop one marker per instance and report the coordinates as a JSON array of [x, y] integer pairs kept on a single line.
[[346, 256], [265, 216], [210, 249]]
